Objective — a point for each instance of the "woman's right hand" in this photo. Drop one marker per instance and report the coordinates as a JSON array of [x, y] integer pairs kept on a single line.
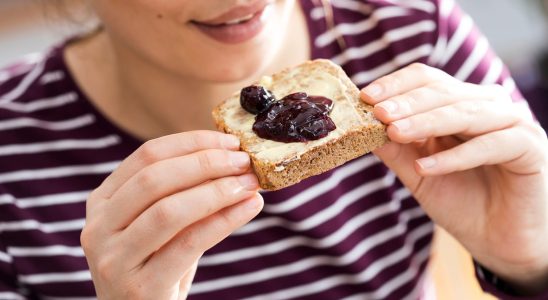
[[172, 199]]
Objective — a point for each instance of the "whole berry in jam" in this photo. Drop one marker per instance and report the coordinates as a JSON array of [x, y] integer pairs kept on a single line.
[[256, 99]]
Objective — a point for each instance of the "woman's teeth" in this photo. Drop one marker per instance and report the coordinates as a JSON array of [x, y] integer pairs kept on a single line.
[[240, 20]]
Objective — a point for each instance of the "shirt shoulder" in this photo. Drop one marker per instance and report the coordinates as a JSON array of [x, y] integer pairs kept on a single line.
[[34, 87], [41, 101], [47, 123], [370, 38]]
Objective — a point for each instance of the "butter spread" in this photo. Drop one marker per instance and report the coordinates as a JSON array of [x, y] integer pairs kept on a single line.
[[344, 115]]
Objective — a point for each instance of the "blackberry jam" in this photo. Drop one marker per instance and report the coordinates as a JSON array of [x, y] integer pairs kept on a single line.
[[297, 117], [256, 99]]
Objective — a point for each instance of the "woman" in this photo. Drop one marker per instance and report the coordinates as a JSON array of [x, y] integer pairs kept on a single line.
[[471, 158]]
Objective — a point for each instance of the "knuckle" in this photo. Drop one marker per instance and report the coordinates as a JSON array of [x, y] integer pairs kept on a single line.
[[88, 235], [92, 200], [408, 101], [148, 152], [392, 83], [425, 121], [189, 241], [423, 69], [430, 72], [104, 268], [469, 109], [210, 160], [136, 291], [500, 92], [486, 144], [138, 286], [440, 87], [534, 128], [194, 140], [228, 221], [146, 179], [418, 67], [86, 239], [164, 214], [132, 291], [219, 189], [94, 195]]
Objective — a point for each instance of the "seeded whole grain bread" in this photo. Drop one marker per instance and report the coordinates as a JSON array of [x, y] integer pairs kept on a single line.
[[278, 165]]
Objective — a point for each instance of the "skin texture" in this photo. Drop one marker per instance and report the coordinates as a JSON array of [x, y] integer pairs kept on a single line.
[[490, 169], [475, 161], [126, 252], [138, 222], [186, 72]]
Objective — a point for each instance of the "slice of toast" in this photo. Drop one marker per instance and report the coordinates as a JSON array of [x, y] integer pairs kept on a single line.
[[277, 164]]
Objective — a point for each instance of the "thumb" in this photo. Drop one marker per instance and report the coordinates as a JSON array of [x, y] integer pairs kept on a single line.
[[400, 158]]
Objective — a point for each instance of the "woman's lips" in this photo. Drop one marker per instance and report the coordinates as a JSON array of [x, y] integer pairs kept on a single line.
[[239, 29]]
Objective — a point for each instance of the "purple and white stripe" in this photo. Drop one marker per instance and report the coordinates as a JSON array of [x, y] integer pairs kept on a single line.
[[352, 233]]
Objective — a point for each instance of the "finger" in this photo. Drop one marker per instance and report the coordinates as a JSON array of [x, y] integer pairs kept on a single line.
[[400, 159], [401, 81], [186, 281], [166, 147], [162, 221], [512, 147], [167, 177], [468, 118], [434, 95], [176, 257]]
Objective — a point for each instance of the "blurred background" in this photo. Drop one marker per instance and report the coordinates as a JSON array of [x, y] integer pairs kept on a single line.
[[518, 31]]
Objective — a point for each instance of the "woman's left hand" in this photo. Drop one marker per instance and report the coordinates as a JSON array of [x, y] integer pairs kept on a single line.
[[476, 162]]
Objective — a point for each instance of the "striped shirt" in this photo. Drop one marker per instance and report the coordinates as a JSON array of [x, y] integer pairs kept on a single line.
[[354, 232]]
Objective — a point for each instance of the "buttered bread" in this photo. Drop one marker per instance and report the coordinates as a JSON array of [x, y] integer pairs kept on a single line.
[[280, 164]]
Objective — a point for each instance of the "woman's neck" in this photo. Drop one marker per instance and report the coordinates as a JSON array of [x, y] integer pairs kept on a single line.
[[150, 102]]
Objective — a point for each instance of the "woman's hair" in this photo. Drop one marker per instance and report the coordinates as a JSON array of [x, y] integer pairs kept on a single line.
[[76, 17], [75, 12]]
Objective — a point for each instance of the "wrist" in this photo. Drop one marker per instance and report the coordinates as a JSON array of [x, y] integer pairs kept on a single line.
[[521, 280]]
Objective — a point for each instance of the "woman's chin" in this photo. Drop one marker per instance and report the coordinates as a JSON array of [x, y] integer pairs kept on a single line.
[[231, 67], [239, 73]]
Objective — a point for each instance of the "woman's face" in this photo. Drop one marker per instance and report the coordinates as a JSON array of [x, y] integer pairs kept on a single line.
[[213, 40]]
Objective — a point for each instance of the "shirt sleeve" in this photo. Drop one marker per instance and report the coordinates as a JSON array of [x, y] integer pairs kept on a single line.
[[9, 289], [490, 283], [462, 51]]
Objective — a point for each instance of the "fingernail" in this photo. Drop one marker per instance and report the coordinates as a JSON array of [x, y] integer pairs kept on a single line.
[[254, 203], [373, 90], [248, 182], [230, 142], [402, 125], [239, 159], [388, 106], [427, 162]]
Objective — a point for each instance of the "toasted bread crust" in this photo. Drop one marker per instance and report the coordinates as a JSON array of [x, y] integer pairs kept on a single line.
[[316, 160]]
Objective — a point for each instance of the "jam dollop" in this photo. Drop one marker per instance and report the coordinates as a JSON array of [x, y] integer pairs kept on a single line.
[[297, 117], [256, 99]]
